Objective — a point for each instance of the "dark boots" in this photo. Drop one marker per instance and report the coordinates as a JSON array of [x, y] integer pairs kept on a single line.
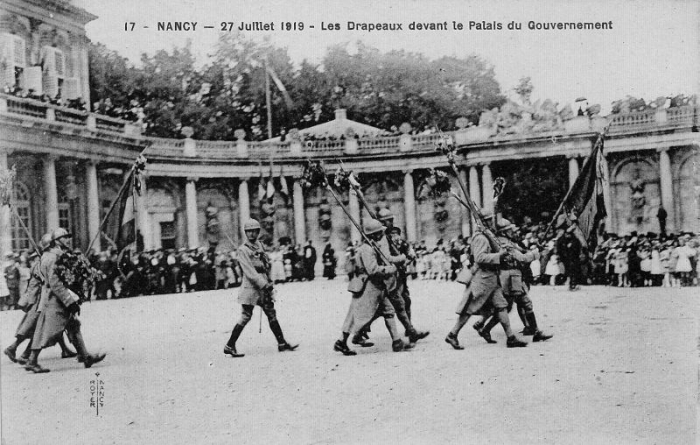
[[532, 324], [282, 344], [414, 336], [230, 347], [515, 342]]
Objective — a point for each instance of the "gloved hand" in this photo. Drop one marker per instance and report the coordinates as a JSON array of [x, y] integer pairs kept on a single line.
[[504, 255], [74, 308]]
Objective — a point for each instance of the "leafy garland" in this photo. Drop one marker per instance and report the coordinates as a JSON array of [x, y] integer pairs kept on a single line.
[[76, 273], [438, 183], [313, 175]]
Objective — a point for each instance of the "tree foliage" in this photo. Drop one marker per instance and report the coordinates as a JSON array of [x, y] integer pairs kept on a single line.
[[380, 89]]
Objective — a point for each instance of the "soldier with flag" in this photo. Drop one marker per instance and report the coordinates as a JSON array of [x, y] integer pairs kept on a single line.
[[59, 308], [513, 286], [29, 302]]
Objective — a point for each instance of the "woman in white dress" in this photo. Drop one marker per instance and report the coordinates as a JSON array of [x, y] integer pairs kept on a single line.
[[552, 269], [657, 271], [683, 265], [277, 274]]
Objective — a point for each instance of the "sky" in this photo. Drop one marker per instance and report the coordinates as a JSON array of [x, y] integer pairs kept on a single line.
[[653, 48]]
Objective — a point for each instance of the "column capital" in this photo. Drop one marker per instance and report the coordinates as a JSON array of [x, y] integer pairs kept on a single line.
[[192, 178], [663, 149], [407, 171]]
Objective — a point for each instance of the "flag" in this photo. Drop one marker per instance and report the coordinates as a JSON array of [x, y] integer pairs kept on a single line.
[[270, 184], [261, 188], [126, 228], [280, 86], [586, 200], [284, 189]]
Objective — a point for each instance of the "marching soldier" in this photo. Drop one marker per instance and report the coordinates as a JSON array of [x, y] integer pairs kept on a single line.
[[29, 304], [257, 289], [371, 300], [514, 288], [59, 309], [485, 289], [397, 251]]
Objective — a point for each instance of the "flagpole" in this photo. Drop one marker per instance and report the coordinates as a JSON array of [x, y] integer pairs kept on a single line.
[[268, 101]]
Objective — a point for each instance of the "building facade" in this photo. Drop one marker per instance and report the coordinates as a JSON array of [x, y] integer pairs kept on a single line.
[[70, 164]]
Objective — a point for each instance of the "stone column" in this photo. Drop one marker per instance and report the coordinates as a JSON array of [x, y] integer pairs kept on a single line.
[[191, 208], [243, 204], [474, 189], [466, 218], [487, 181], [573, 170], [299, 215], [666, 183], [51, 193], [5, 216], [354, 207], [144, 220], [409, 205], [93, 205]]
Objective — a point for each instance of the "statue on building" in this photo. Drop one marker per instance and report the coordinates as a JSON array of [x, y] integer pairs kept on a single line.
[[324, 215], [638, 199], [211, 213]]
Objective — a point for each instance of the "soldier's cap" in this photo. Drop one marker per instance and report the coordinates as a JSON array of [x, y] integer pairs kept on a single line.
[[373, 226], [395, 229]]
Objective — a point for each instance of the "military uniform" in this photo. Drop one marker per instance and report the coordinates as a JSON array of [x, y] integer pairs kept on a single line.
[[485, 286], [484, 292], [372, 301], [55, 299], [256, 289]]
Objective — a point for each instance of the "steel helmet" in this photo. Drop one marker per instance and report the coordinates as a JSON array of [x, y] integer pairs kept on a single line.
[[504, 224], [251, 224], [385, 214], [373, 226], [45, 241], [60, 233]]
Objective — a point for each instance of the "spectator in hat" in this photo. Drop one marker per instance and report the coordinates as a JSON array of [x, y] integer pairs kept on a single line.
[[12, 278]]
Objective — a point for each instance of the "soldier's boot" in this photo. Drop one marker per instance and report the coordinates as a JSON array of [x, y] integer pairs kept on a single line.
[[65, 350], [230, 347], [24, 358], [282, 344], [400, 345], [359, 340], [485, 331], [342, 345], [10, 353], [84, 356], [397, 343], [414, 335], [538, 335], [479, 325], [515, 342], [526, 323], [452, 340], [33, 363]]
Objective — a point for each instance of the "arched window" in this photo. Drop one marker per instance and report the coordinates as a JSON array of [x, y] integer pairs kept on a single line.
[[21, 202], [65, 213]]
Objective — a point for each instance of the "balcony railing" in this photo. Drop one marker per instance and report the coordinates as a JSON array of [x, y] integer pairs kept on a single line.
[[670, 118], [22, 106]]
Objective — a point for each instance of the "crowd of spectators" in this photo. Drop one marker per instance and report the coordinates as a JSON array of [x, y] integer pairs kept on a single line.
[[634, 260], [75, 104]]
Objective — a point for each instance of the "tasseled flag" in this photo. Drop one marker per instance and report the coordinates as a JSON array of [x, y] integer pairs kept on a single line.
[[284, 189], [261, 188]]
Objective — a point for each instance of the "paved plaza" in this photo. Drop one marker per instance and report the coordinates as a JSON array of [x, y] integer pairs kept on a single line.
[[621, 368]]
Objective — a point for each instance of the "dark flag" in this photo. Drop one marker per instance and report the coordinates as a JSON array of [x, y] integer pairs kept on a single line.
[[585, 202], [119, 227], [126, 234]]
